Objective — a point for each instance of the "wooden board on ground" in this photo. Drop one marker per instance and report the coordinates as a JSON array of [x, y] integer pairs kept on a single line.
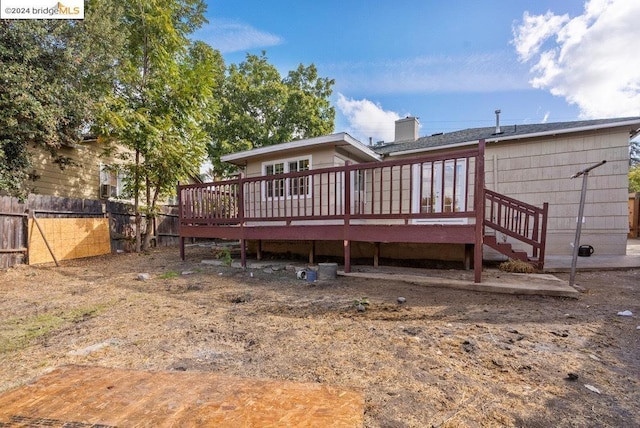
[[102, 397]]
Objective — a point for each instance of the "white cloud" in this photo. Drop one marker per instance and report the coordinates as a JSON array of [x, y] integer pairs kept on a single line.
[[534, 31], [368, 119], [545, 119], [232, 36], [592, 61]]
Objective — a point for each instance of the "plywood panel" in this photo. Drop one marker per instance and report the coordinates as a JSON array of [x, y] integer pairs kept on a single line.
[[96, 396], [69, 238]]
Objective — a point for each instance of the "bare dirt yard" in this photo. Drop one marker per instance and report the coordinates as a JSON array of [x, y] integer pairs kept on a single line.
[[444, 358]]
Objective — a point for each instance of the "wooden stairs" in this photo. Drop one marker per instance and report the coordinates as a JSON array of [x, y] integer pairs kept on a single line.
[[507, 249]]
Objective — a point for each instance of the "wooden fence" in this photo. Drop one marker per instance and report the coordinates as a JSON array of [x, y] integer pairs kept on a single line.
[[14, 216]]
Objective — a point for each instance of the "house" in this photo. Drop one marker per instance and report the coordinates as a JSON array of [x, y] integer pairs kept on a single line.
[[439, 197], [534, 163], [78, 171]]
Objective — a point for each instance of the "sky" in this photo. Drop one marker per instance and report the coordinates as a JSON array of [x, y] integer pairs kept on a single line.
[[449, 63]]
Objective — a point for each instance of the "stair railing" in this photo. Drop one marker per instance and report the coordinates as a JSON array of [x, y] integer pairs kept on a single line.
[[519, 220]]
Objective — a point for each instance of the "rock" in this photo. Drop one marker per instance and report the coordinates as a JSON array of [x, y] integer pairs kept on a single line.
[[188, 272], [402, 300], [626, 313], [580, 288], [572, 376], [361, 308], [592, 388], [468, 346], [412, 331], [143, 277]]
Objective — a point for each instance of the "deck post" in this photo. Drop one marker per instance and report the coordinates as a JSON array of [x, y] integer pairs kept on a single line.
[[312, 252], [243, 253], [376, 254], [478, 206], [259, 250], [243, 243], [468, 256], [347, 256], [347, 216], [182, 248]]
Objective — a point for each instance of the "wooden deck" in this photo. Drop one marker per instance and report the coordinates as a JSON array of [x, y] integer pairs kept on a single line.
[[433, 199], [75, 396]]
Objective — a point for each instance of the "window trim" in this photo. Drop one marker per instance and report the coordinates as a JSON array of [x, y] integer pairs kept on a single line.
[[106, 172], [287, 182]]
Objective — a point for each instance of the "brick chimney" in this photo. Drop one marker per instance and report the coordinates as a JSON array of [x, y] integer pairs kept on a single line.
[[407, 129]]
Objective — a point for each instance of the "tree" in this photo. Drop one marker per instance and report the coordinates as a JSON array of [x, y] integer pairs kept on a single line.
[[53, 74], [634, 179], [634, 152], [163, 96], [260, 108]]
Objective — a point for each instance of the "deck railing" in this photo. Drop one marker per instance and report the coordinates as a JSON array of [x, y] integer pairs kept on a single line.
[[432, 187]]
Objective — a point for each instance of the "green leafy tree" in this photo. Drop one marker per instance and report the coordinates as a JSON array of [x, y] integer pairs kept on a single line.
[[53, 74], [634, 179], [163, 96], [260, 108]]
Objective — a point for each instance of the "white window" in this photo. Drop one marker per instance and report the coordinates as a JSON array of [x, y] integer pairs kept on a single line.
[[111, 182], [279, 187], [443, 186]]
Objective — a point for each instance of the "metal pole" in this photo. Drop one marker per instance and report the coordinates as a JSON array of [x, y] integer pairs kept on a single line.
[[576, 242], [583, 194]]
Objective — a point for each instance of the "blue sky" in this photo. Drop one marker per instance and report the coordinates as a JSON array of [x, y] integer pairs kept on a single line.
[[450, 63]]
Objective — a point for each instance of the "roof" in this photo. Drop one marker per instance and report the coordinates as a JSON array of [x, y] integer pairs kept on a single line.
[[509, 132], [342, 139]]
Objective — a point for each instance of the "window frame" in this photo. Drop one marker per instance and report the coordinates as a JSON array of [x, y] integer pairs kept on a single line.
[[110, 174], [286, 189]]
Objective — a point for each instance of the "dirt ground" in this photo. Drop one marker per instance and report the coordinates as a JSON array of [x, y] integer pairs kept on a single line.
[[444, 358]]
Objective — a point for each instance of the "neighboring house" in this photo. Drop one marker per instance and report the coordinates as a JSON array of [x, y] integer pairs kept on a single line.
[[85, 174], [416, 198]]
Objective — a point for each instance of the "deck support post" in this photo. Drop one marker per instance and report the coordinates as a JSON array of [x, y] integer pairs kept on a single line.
[[468, 256], [243, 241], [182, 247], [478, 206], [347, 216], [259, 250], [376, 254], [312, 252], [243, 253], [347, 256]]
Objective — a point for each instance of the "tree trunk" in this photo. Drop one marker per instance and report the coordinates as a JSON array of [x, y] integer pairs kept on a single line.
[[136, 202]]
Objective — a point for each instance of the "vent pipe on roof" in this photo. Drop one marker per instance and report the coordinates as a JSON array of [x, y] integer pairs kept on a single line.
[[498, 131]]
